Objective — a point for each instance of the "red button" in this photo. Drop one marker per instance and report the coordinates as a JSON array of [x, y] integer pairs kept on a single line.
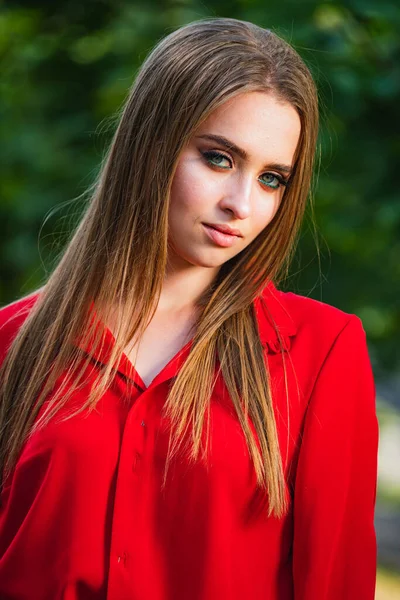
[[122, 558]]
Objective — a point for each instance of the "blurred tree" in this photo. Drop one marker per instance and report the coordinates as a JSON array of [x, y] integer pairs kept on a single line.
[[67, 67]]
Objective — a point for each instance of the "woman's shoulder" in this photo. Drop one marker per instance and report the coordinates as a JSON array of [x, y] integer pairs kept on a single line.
[[311, 321], [309, 311], [12, 316]]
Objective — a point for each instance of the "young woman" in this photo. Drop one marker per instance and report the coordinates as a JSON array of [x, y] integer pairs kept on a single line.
[[174, 427]]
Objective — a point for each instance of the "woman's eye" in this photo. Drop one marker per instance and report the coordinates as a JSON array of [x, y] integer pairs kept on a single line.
[[216, 159], [278, 181]]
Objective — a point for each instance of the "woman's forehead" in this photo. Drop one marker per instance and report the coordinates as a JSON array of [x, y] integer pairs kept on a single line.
[[258, 124]]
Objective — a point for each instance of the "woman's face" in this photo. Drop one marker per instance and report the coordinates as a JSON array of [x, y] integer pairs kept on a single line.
[[231, 173]]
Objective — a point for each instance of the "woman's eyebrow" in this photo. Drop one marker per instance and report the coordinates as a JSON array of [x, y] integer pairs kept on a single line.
[[220, 139]]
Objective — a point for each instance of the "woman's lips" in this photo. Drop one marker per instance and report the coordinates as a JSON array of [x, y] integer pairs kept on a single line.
[[221, 239]]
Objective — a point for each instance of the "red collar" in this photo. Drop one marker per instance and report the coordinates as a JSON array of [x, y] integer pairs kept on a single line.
[[270, 307]]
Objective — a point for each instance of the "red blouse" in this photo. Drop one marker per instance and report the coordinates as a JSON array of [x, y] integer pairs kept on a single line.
[[82, 515]]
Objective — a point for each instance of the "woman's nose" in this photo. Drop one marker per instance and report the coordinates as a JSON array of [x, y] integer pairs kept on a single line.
[[237, 196]]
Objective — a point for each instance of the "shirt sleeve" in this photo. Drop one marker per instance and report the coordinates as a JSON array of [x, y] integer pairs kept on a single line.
[[334, 546]]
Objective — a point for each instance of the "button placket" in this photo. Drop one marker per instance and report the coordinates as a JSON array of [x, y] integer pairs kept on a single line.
[[136, 461], [131, 456], [136, 454]]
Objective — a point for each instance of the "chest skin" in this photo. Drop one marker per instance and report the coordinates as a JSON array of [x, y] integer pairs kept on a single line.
[[164, 337]]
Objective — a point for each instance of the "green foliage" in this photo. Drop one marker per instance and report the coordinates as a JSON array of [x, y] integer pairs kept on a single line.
[[66, 68]]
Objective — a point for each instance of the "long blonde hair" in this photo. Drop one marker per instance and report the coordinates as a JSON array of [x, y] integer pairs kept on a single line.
[[116, 257]]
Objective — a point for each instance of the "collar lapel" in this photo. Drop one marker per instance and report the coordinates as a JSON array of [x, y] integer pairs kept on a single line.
[[271, 306], [102, 353]]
